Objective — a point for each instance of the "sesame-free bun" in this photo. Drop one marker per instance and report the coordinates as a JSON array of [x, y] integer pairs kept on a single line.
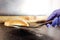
[[15, 22]]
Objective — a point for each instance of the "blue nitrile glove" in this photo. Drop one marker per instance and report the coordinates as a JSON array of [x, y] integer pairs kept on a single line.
[[55, 16]]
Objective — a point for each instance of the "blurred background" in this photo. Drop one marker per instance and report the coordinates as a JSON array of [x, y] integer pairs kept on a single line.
[[40, 7], [28, 7]]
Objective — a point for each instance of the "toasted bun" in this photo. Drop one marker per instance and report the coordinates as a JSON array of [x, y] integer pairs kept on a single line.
[[20, 20], [16, 22], [26, 18]]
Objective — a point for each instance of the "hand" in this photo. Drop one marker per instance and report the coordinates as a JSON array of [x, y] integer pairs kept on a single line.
[[55, 16]]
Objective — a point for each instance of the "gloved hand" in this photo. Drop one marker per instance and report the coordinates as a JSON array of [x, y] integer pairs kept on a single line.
[[55, 16]]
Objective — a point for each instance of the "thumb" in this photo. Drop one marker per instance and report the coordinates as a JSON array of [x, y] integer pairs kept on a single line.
[[48, 25]]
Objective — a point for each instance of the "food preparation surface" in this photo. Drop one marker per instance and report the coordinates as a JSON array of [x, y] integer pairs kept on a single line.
[[19, 34]]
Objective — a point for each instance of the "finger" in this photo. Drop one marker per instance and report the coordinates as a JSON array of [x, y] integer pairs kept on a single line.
[[52, 16], [48, 25], [59, 21], [55, 22]]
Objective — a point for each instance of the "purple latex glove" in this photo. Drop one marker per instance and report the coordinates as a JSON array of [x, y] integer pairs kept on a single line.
[[55, 16]]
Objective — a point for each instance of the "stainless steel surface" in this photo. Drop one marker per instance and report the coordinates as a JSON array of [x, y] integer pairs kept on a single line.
[[54, 32], [43, 33], [23, 34]]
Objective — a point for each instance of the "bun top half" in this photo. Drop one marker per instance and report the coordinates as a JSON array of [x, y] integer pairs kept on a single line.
[[16, 22]]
